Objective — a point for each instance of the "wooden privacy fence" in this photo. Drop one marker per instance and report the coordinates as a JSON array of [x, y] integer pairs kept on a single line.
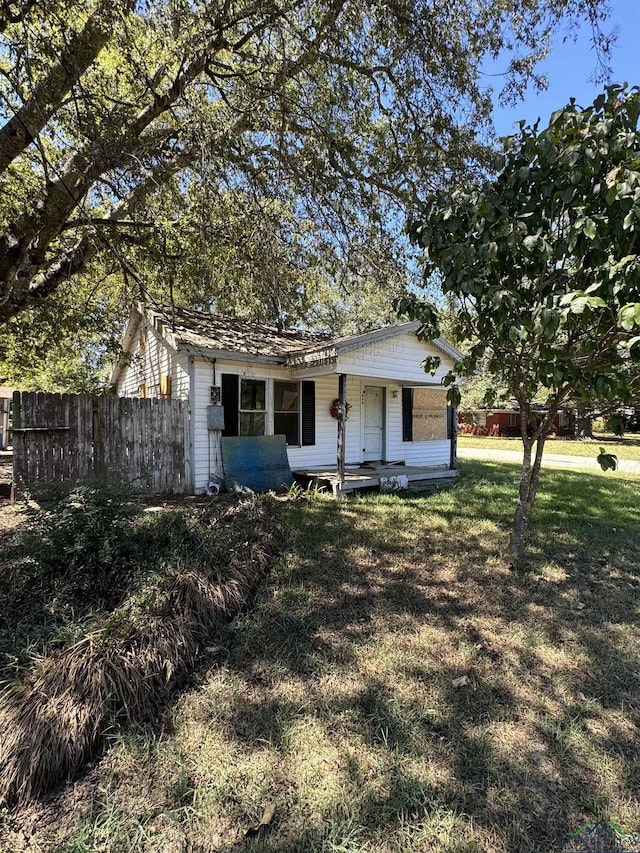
[[60, 439]]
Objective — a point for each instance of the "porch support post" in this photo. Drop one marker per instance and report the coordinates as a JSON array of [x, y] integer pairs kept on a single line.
[[342, 425], [453, 432]]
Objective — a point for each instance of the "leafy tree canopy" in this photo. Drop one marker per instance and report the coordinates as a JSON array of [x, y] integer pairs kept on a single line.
[[543, 262], [129, 127]]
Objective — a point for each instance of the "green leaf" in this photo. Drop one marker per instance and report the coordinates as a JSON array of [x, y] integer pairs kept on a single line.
[[453, 396], [607, 461], [430, 364], [579, 304], [589, 228], [629, 316]]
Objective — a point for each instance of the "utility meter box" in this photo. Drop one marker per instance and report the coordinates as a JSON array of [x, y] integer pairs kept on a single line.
[[215, 417]]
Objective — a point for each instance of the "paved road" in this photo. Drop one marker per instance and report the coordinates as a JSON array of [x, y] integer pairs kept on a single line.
[[552, 460]]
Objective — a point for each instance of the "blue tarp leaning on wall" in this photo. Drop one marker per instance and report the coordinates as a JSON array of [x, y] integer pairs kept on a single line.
[[259, 463]]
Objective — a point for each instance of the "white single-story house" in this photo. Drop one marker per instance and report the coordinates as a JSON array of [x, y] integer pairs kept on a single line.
[[245, 379]]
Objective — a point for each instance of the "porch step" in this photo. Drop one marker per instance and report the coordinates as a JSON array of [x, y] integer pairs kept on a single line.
[[413, 477]]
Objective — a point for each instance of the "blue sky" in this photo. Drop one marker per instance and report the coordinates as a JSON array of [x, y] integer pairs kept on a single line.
[[570, 66]]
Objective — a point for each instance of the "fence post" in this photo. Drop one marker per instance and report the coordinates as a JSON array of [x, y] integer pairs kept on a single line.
[[18, 445], [97, 460]]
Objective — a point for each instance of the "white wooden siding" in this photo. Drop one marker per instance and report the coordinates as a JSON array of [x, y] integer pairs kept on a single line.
[[398, 358], [208, 458], [324, 451], [158, 359], [207, 454]]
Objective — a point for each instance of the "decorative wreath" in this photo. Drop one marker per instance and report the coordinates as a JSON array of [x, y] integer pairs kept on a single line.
[[336, 408]]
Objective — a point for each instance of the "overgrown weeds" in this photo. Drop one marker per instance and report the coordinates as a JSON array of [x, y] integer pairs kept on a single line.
[[197, 572]]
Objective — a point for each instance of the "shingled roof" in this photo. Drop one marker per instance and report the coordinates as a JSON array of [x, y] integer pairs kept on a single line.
[[198, 330]]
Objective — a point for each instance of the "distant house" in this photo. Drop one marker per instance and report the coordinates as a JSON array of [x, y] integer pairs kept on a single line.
[[506, 422], [248, 380]]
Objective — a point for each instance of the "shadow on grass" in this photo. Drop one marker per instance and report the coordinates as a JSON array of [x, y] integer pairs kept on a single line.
[[398, 688], [532, 694]]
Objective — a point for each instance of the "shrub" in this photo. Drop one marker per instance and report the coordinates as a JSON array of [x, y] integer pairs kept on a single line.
[[89, 528]]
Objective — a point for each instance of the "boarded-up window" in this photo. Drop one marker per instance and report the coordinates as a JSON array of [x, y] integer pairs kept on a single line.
[[143, 391], [142, 346], [424, 414], [165, 387], [429, 414]]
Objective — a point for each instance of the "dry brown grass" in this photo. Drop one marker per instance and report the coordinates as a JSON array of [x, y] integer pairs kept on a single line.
[[53, 718]]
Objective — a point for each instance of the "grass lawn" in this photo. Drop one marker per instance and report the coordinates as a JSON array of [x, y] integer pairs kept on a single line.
[[396, 687], [623, 448]]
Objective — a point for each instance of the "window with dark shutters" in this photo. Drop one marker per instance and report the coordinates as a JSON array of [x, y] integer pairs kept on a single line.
[[407, 414], [308, 395], [234, 409], [230, 403]]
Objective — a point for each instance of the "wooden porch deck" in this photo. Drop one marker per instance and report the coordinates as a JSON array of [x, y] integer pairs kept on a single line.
[[387, 477]]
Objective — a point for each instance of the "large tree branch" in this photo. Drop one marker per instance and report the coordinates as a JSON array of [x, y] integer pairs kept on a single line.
[[76, 257], [25, 242], [80, 52]]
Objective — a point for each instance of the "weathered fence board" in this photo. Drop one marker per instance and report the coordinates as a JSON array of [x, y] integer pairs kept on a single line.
[[60, 439]]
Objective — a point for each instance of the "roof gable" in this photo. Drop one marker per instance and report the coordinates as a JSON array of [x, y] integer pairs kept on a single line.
[[340, 346]]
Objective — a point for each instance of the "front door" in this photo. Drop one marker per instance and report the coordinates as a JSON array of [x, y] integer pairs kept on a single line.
[[373, 424]]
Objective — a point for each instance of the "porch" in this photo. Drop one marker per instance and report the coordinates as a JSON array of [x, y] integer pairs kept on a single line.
[[385, 476]]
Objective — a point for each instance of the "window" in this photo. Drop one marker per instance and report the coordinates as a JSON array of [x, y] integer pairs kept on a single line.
[[512, 419], [165, 387], [293, 409], [252, 406], [425, 415], [286, 411]]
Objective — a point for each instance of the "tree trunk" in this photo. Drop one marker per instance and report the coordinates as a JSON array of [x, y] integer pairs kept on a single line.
[[584, 423], [529, 480]]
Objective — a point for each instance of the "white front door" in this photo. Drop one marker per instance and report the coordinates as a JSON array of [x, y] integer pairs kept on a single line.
[[373, 424]]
